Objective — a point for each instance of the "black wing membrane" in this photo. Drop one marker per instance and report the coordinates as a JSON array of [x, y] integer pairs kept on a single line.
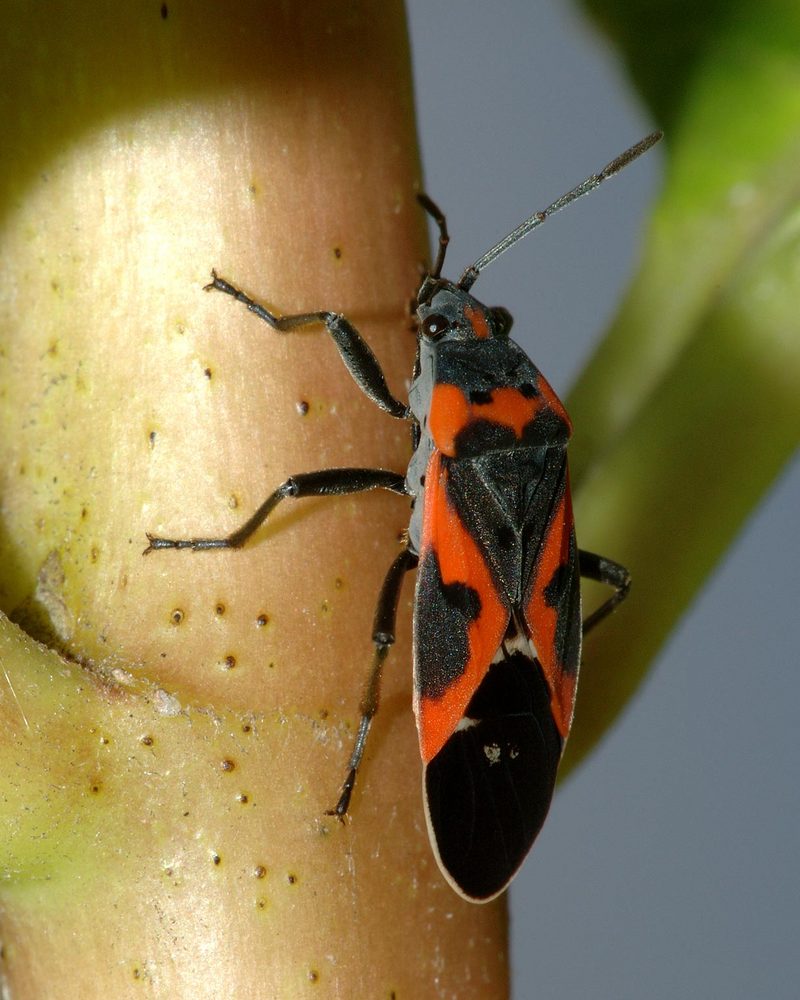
[[489, 789]]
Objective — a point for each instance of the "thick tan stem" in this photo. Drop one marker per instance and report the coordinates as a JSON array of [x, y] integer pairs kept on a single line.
[[162, 828]]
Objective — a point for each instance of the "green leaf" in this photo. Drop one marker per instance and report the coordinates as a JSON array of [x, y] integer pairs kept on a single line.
[[691, 406]]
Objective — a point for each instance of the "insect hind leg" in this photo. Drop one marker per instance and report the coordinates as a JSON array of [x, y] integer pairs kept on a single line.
[[594, 567], [383, 629]]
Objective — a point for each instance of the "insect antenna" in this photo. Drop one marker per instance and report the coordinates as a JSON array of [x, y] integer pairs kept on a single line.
[[468, 277]]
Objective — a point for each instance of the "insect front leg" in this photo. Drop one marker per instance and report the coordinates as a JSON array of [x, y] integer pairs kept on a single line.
[[326, 482], [438, 217], [353, 349], [383, 628], [606, 571]]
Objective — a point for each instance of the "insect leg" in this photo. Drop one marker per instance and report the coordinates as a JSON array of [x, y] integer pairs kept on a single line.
[[354, 350], [438, 217], [326, 482], [603, 570], [383, 636]]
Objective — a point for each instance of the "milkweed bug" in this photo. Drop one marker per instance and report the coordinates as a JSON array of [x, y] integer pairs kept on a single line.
[[497, 607]]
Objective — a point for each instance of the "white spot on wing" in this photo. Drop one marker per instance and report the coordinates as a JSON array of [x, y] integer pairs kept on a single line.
[[519, 643]]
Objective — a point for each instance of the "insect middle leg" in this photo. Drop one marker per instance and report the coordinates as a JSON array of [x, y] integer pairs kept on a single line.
[[326, 482], [606, 571], [353, 349], [383, 628]]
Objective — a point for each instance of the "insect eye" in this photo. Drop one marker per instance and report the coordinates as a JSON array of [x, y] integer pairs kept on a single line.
[[434, 326], [503, 320]]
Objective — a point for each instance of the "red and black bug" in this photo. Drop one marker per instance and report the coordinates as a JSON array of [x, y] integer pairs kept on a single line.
[[497, 607]]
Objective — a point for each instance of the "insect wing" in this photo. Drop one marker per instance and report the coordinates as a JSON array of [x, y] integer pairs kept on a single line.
[[459, 617], [552, 602], [488, 791], [488, 738]]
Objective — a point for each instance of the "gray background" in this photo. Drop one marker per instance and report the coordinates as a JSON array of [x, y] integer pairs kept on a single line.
[[668, 866]]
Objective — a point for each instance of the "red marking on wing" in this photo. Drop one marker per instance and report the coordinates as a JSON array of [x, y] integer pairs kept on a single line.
[[460, 561], [451, 411], [542, 619]]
